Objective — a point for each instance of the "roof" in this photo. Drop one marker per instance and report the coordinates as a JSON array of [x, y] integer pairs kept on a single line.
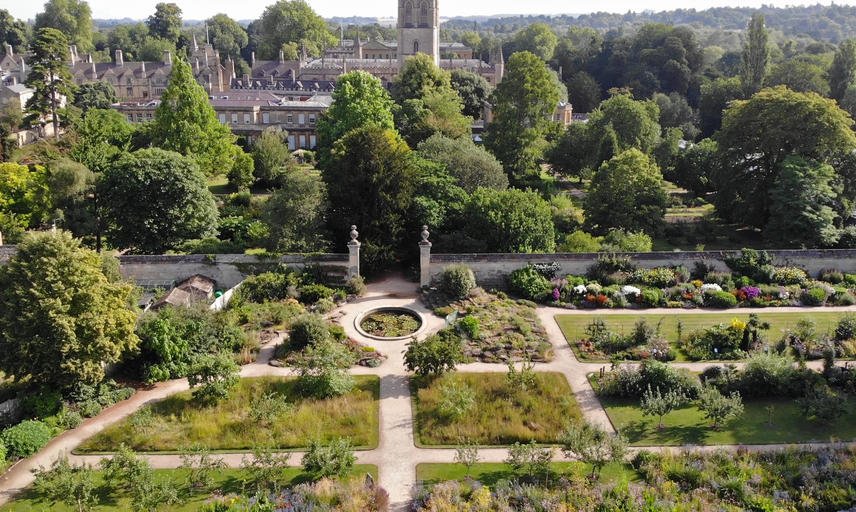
[[19, 89], [193, 289]]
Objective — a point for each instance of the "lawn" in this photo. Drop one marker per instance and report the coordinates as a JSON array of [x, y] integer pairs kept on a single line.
[[177, 422], [489, 473], [227, 481], [500, 415], [688, 425], [574, 326]]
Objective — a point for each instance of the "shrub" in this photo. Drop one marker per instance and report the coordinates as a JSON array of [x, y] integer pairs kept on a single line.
[[457, 281], [660, 277], [721, 300], [90, 408], [268, 286], [2, 452], [630, 382], [814, 296], [324, 306], [755, 265], [789, 275], [213, 376], [469, 325], [529, 283], [309, 329], [548, 270], [312, 293], [719, 408], [723, 279], [845, 298], [335, 459], [42, 404], [769, 376], [652, 297], [68, 419], [456, 399], [605, 268], [822, 404], [716, 342], [435, 355], [323, 370], [356, 286], [846, 328], [831, 276], [26, 438]]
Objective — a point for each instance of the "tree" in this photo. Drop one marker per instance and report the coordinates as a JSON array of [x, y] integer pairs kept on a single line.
[[323, 369], [49, 77], [291, 21], [201, 468], [272, 160], [241, 175], [418, 76], [295, 213], [822, 404], [359, 100], [842, 73], [95, 95], [165, 23], [756, 137], [800, 75], [71, 188], [528, 457], [434, 355], [802, 203], [472, 166], [756, 55], [152, 200], [456, 399], [583, 91], [185, 122], [621, 123], [524, 103], [335, 459], [656, 403], [73, 18], [570, 153], [626, 192], [227, 35], [73, 486], [467, 454], [265, 468], [24, 199], [510, 221], [675, 112], [212, 377], [538, 39], [13, 31], [696, 166], [718, 407], [87, 322], [715, 98], [593, 445], [473, 89], [371, 180]]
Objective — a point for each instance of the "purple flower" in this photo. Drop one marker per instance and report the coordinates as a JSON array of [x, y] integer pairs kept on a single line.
[[751, 292], [556, 294]]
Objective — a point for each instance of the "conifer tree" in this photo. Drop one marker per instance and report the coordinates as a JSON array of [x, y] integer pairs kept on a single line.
[[50, 77]]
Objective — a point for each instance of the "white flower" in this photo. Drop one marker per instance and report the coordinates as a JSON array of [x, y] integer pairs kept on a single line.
[[630, 290], [710, 287], [580, 289]]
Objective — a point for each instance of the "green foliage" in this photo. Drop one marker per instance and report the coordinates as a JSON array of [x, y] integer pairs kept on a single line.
[[291, 22], [309, 330], [510, 221], [529, 459], [523, 379], [185, 122], [473, 89], [529, 283], [434, 355], [633, 382], [717, 342], [472, 166], [720, 299], [212, 377], [633, 124], [814, 296], [523, 106], [267, 286], [240, 175], [457, 281], [456, 399], [165, 23], [227, 35], [264, 468], [295, 214], [154, 199], [267, 408], [621, 240], [538, 39], [26, 438], [696, 166], [43, 403], [822, 404], [73, 18], [201, 468], [273, 162], [469, 325], [49, 76], [802, 202], [24, 199], [593, 445], [356, 286], [89, 322], [580, 241], [719, 408], [95, 95], [323, 370], [756, 55], [335, 459], [659, 404], [626, 192], [842, 73], [73, 486]]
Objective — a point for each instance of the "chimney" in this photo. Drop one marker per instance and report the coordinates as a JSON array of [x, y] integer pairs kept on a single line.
[[281, 56], [94, 71], [14, 80], [231, 67], [89, 58], [246, 80], [253, 59], [9, 51], [143, 68], [167, 58], [72, 55], [119, 60]]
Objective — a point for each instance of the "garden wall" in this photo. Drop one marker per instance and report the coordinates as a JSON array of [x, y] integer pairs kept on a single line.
[[227, 269], [491, 269]]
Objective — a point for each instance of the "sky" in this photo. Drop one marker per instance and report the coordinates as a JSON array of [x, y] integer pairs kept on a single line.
[[251, 9]]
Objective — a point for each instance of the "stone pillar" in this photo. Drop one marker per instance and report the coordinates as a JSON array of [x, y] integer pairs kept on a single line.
[[354, 254], [425, 258]]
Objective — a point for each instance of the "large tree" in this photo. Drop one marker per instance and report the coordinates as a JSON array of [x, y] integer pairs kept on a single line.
[[632, 124], [756, 137], [227, 35], [12, 31], [295, 213], [165, 23], [715, 97], [471, 166], [71, 17], [185, 122], [61, 319], [799, 74], [371, 180], [473, 89], [756, 55], [153, 200], [626, 192], [802, 202], [49, 76], [99, 95], [524, 103], [538, 39], [842, 73], [24, 199], [272, 160], [510, 221], [291, 22]]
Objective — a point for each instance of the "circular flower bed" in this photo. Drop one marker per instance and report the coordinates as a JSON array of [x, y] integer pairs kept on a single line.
[[390, 323]]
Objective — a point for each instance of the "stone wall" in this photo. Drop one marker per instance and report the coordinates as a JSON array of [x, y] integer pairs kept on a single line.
[[491, 269]]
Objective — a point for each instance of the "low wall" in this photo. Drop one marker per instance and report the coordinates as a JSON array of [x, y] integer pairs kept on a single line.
[[491, 269]]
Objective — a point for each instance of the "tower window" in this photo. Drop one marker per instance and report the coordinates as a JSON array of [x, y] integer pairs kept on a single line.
[[423, 15], [415, 47], [408, 14]]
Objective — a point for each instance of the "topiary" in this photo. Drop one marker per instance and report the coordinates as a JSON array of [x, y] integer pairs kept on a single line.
[[529, 283], [720, 300], [308, 330], [456, 281], [26, 438]]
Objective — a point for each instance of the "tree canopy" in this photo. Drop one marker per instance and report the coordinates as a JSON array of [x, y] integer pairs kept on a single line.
[[291, 22], [61, 319], [472, 166], [49, 76], [510, 221], [71, 17], [165, 23]]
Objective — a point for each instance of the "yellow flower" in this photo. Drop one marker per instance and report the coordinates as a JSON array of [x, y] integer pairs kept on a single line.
[[738, 325]]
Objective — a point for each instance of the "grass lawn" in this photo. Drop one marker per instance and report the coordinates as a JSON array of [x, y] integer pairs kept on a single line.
[[500, 416], [574, 326], [688, 425], [489, 473], [177, 423], [228, 481]]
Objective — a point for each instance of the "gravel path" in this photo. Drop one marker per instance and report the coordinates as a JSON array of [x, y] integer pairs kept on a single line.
[[397, 455]]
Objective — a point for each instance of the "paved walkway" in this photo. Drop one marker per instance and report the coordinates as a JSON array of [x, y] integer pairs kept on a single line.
[[396, 455]]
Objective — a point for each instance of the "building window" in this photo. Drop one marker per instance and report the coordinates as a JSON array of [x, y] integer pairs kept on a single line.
[[265, 117], [145, 94], [291, 145], [139, 117], [130, 118], [303, 141], [130, 91], [148, 115], [301, 120], [312, 119], [234, 118], [222, 118], [312, 142], [289, 119], [415, 47], [246, 118], [408, 14], [423, 15]]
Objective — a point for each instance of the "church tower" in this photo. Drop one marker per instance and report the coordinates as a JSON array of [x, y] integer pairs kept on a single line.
[[418, 29]]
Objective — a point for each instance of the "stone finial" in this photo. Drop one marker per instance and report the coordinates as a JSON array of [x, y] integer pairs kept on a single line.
[[354, 234], [425, 234]]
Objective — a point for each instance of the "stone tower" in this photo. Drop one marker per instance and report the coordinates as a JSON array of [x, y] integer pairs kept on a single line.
[[418, 29]]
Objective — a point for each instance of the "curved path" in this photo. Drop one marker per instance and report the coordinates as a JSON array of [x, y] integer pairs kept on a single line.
[[397, 454]]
